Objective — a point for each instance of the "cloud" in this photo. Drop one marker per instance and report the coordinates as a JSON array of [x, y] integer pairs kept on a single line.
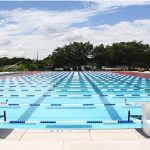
[[3, 53], [24, 32], [11, 53], [5, 42], [124, 31]]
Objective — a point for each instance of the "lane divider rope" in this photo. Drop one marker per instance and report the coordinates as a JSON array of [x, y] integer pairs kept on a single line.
[[71, 122], [66, 105], [85, 95]]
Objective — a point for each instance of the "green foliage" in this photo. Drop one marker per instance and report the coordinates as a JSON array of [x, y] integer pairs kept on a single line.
[[11, 61], [1, 69], [129, 54], [47, 60], [100, 55], [73, 54], [124, 53]]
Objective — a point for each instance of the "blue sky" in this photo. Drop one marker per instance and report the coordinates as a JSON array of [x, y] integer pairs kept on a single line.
[[129, 13], [28, 27], [47, 5]]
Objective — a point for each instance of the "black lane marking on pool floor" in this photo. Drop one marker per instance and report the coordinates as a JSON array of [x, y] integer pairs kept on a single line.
[[26, 115], [131, 82], [111, 111]]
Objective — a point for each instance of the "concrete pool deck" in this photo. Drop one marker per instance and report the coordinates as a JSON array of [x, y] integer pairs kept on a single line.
[[22, 139]]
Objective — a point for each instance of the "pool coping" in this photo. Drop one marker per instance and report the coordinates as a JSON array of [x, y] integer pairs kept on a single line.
[[73, 139]]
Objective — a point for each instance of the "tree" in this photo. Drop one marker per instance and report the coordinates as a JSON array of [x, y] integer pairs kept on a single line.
[[133, 53], [47, 60], [75, 53], [100, 56], [58, 57]]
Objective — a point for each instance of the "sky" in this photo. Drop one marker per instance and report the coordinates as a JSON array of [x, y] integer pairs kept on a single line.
[[28, 27]]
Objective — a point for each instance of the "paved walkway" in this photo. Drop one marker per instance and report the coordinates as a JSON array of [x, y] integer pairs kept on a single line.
[[21, 139]]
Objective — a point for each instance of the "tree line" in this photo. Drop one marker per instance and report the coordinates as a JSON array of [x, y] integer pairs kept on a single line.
[[132, 54]]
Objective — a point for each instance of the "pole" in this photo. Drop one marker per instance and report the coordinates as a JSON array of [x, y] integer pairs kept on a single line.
[[129, 115], [4, 115]]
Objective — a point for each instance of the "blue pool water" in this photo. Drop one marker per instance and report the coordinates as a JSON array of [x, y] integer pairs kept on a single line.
[[72, 100]]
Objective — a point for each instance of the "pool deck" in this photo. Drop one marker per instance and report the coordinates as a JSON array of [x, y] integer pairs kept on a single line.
[[22, 139]]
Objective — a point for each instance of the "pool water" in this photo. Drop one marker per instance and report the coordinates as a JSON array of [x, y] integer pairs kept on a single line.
[[73, 100]]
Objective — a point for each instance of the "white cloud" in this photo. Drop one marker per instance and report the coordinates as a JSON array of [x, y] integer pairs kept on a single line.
[[4, 42], [24, 32], [124, 31], [3, 53]]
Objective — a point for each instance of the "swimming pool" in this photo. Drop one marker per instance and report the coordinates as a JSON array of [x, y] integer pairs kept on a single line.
[[72, 100]]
